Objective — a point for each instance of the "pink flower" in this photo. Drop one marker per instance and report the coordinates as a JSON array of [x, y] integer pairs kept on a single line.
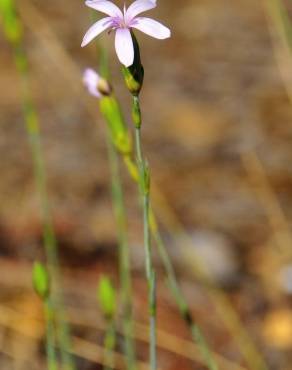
[[122, 22], [91, 80]]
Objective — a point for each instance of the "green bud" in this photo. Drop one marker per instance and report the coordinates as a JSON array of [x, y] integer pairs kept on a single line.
[[134, 75], [11, 24], [107, 297], [40, 280], [111, 111]]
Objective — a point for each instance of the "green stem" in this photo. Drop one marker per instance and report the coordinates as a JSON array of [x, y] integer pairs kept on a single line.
[[146, 202], [12, 26], [109, 345], [153, 321], [174, 286], [222, 304], [124, 255], [144, 182], [49, 238], [50, 334], [181, 302]]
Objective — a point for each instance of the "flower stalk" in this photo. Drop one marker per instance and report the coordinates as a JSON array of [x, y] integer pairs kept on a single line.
[[173, 284], [133, 76], [144, 184]]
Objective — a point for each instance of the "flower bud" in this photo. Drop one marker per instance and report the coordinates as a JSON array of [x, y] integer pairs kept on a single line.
[[40, 278], [95, 84], [104, 87]]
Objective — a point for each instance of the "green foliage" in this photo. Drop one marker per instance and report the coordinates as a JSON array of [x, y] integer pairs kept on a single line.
[[107, 297], [40, 280]]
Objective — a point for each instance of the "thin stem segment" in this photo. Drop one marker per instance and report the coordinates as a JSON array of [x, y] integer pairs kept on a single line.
[[124, 255], [14, 34], [144, 182], [109, 345], [184, 309], [50, 336]]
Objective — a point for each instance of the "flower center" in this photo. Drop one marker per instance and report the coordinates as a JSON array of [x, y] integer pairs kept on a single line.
[[123, 23], [118, 22]]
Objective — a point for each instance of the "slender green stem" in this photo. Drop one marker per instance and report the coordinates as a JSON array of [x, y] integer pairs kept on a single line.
[[109, 345], [12, 26], [138, 146], [50, 336], [225, 309], [145, 195], [181, 302], [144, 182], [124, 255], [50, 242], [33, 131], [153, 321]]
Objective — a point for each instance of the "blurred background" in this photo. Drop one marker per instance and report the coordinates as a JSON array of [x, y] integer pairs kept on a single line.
[[217, 133]]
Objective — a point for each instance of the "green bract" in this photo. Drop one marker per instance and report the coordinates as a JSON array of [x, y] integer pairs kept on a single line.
[[40, 278], [106, 297]]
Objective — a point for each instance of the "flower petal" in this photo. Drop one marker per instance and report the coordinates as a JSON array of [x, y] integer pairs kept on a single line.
[[151, 28], [97, 28], [90, 80], [138, 7], [124, 46], [106, 7]]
